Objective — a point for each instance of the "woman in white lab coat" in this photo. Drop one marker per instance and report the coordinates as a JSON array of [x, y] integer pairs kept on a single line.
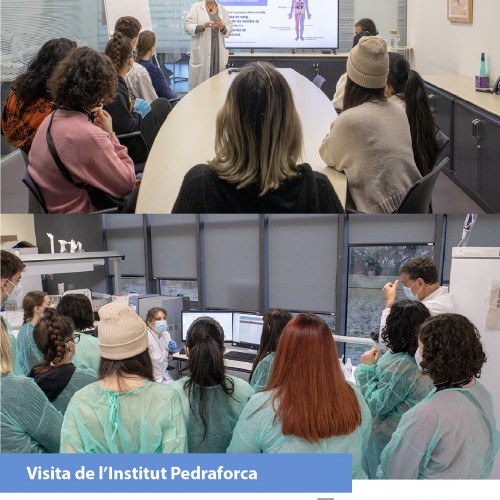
[[160, 345], [208, 24]]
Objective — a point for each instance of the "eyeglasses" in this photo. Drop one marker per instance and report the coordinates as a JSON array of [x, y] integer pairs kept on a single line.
[[75, 339]]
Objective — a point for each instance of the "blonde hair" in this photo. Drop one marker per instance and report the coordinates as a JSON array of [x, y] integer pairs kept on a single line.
[[5, 349], [258, 130]]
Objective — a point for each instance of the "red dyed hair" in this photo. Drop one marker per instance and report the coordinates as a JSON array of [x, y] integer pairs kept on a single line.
[[313, 399]]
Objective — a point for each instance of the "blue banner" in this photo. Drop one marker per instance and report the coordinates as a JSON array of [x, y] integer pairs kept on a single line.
[[182, 473]]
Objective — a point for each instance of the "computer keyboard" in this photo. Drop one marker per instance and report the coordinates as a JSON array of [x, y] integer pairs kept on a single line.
[[240, 356]]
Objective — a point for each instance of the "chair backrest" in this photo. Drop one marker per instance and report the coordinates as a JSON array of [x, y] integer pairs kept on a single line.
[[318, 80], [36, 203], [419, 196]]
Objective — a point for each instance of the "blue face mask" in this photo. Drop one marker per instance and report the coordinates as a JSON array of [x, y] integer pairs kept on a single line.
[[161, 326], [410, 294]]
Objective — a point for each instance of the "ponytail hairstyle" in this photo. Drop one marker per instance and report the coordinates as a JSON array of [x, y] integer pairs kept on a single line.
[[51, 334], [31, 300], [274, 322], [147, 40], [205, 341], [119, 50], [410, 86]]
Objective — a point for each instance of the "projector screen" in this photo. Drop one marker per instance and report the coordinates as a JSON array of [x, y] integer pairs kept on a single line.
[[283, 24]]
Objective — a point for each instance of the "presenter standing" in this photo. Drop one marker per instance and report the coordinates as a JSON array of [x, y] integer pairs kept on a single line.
[[208, 24]]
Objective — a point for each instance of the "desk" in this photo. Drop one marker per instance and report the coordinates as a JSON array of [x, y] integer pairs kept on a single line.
[[231, 364], [187, 138]]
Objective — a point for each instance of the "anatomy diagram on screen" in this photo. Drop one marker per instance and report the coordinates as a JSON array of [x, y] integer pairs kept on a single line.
[[300, 7]]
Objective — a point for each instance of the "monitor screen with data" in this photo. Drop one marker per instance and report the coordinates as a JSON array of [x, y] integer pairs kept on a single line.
[[247, 330], [225, 318]]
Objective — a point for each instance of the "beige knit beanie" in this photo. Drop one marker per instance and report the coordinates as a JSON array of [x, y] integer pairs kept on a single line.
[[122, 334], [368, 63]]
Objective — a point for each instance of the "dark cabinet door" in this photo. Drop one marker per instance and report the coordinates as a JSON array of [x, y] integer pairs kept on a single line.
[[304, 66], [331, 70], [465, 148], [489, 162], [442, 109]]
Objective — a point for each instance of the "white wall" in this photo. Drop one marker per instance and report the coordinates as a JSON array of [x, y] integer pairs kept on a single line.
[[440, 46], [383, 12], [21, 225]]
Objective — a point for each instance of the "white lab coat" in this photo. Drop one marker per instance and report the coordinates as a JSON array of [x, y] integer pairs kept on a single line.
[[201, 44], [438, 302], [158, 352]]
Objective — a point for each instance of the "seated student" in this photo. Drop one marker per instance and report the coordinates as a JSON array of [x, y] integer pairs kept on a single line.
[[30, 100], [125, 411], [28, 422], [452, 433], [211, 400], [146, 47], [161, 345], [311, 409], [78, 308], [137, 79], [258, 143], [274, 321], [90, 151], [392, 384], [125, 119], [364, 27], [370, 141], [407, 88], [28, 354], [57, 376]]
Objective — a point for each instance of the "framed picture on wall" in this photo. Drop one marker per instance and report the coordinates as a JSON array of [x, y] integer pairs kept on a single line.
[[460, 11]]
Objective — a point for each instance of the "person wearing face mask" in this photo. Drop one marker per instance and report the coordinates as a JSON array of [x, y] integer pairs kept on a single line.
[[160, 345], [392, 384], [419, 277], [28, 354], [125, 119], [56, 375], [452, 433], [11, 288]]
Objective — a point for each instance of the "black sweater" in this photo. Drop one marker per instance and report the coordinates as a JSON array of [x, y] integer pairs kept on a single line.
[[124, 120], [202, 191]]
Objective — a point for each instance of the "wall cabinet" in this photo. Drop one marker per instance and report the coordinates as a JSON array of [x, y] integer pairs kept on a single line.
[[329, 67], [474, 148]]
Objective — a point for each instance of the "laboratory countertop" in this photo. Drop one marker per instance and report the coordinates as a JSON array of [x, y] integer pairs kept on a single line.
[[285, 55], [40, 257], [464, 88]]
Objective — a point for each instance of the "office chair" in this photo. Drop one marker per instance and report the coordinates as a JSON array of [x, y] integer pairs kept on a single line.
[[318, 80], [419, 196], [36, 203]]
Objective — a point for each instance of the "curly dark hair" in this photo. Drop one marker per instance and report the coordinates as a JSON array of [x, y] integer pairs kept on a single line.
[[83, 79], [51, 334], [420, 267], [452, 348], [129, 26], [400, 332], [32, 84], [119, 50], [78, 307]]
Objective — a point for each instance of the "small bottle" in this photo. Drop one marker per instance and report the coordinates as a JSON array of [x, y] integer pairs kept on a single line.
[[348, 368], [482, 69]]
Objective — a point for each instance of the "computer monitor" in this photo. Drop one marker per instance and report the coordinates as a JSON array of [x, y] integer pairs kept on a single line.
[[225, 318], [247, 330]]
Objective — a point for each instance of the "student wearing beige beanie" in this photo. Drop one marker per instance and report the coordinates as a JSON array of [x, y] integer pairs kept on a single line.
[[125, 411], [370, 141]]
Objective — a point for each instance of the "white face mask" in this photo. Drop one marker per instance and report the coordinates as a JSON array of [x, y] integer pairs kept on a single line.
[[161, 326], [16, 292], [418, 360]]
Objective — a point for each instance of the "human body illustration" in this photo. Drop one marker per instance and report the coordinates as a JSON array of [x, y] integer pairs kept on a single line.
[[300, 7]]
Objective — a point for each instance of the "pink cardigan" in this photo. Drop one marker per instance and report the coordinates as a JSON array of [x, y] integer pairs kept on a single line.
[[90, 154]]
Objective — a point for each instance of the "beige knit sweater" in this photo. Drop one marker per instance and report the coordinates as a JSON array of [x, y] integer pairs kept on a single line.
[[371, 144]]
